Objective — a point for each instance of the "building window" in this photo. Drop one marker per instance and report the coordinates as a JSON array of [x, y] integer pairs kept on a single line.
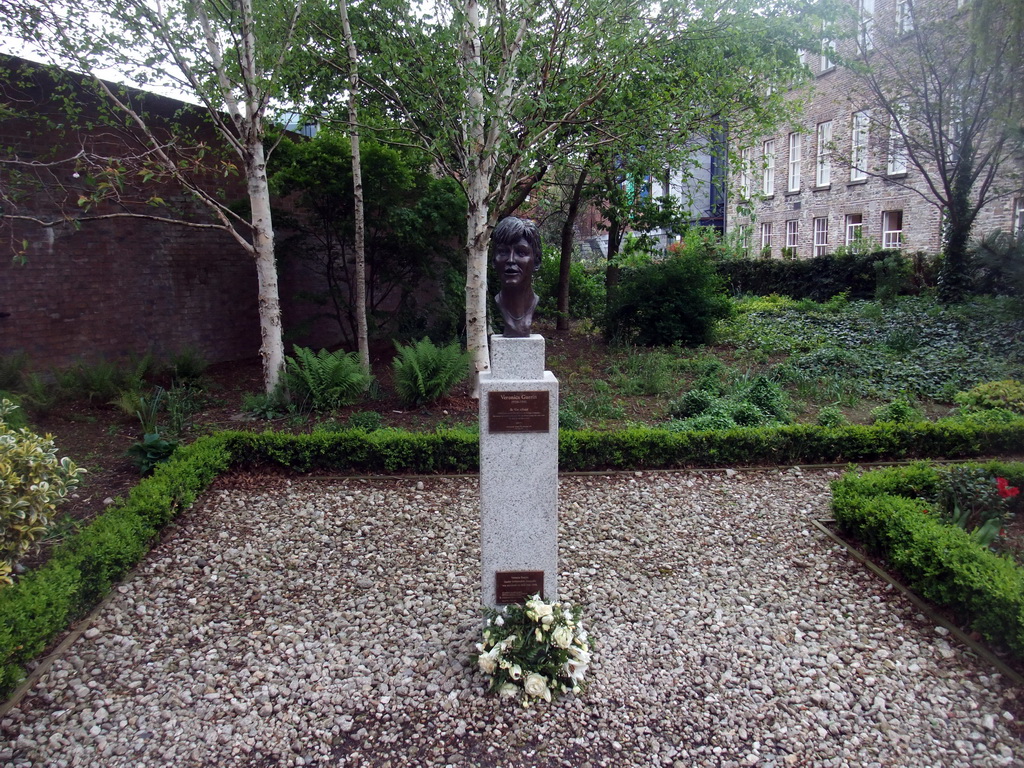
[[904, 17], [1018, 217], [766, 238], [824, 154], [897, 162], [792, 233], [859, 148], [746, 161], [821, 236], [828, 48], [866, 12], [768, 174], [801, 56], [795, 140], [854, 225], [892, 229]]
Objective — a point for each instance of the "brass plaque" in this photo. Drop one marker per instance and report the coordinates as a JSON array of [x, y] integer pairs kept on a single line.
[[517, 586], [518, 411]]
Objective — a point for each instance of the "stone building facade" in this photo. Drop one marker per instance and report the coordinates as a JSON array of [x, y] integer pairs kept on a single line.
[[834, 174]]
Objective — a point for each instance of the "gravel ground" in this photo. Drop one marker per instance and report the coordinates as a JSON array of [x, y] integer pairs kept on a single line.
[[316, 623]]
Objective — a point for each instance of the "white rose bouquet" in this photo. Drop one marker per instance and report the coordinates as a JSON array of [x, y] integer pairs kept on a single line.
[[534, 651]]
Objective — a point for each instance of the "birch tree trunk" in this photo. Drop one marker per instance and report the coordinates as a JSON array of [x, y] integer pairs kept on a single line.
[[272, 340], [480, 164], [362, 335]]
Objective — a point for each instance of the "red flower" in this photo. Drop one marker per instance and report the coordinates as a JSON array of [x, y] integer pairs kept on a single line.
[[1006, 490]]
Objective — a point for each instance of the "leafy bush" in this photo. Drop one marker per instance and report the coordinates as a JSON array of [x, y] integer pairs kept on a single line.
[[678, 300], [424, 373], [643, 373], [323, 381], [1007, 395], [692, 403], [892, 276], [899, 411], [12, 369], [942, 563], [586, 288], [366, 420], [151, 450], [569, 417], [267, 406], [830, 416], [187, 366], [32, 482]]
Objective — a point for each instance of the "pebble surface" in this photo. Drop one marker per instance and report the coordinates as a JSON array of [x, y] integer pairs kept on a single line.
[[328, 623]]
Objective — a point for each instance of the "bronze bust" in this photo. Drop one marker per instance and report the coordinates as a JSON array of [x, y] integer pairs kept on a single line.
[[517, 256]]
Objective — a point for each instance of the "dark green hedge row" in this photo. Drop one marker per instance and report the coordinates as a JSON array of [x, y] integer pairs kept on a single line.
[[940, 562], [819, 278], [81, 571]]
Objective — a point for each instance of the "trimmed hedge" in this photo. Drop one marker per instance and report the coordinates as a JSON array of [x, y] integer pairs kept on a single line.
[[83, 569], [883, 510], [818, 279]]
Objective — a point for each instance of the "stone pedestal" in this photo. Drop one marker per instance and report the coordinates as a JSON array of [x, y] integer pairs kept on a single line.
[[518, 473]]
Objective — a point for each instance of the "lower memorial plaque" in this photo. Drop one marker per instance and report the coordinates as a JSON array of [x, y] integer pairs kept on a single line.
[[517, 586]]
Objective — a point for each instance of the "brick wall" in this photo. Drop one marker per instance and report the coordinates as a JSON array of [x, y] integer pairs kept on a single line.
[[835, 94], [116, 287]]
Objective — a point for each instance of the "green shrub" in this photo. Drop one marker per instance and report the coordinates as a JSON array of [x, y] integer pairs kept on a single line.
[[569, 417], [899, 411], [151, 450], [831, 416], [893, 275], [678, 300], [365, 420], [769, 397], [32, 482], [424, 373], [187, 367], [323, 381], [267, 406], [942, 563], [1007, 394], [692, 403], [586, 288], [643, 373], [12, 370]]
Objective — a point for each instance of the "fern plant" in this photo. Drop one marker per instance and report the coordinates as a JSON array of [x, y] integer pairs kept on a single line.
[[322, 381], [424, 373]]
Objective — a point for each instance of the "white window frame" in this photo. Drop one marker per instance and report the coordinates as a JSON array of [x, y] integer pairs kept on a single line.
[[827, 49], [859, 135], [854, 227], [746, 175], [768, 173], [1018, 217], [897, 156], [821, 236], [865, 25], [792, 233], [766, 236], [795, 143], [824, 158], [904, 17], [892, 229]]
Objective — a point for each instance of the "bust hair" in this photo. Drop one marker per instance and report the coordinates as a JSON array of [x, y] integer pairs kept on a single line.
[[511, 230]]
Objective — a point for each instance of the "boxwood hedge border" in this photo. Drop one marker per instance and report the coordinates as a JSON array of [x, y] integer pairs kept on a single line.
[[883, 510], [82, 570]]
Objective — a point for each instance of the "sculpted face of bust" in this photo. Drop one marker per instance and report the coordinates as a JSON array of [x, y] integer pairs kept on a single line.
[[517, 255]]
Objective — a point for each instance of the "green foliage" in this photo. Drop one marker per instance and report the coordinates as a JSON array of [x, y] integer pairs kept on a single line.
[[1007, 394], [182, 402], [144, 407], [412, 219], [187, 367], [942, 563], [32, 482], [998, 263], [323, 381], [151, 450], [103, 380], [424, 373], [12, 368], [569, 417], [586, 288], [267, 405], [741, 402], [877, 274], [968, 498], [365, 420], [830, 416], [678, 300], [643, 373], [899, 411]]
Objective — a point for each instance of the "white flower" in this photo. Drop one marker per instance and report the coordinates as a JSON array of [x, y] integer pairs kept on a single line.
[[499, 622], [582, 655], [576, 670], [537, 609], [547, 620], [508, 691], [504, 644], [562, 637], [537, 685], [515, 672], [488, 662], [539, 634]]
